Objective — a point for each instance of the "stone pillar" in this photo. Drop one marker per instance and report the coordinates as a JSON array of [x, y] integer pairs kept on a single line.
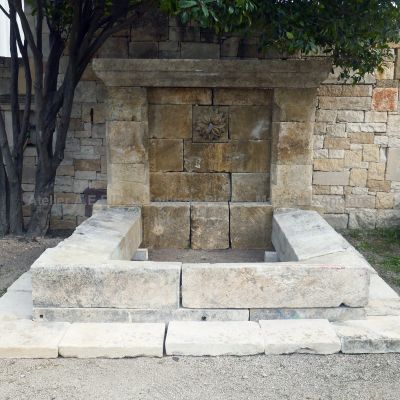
[[292, 147], [127, 147]]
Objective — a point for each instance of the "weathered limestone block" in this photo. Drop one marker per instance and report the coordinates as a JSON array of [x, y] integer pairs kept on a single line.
[[166, 155], [315, 336], [393, 165], [126, 142], [362, 219], [118, 173], [174, 186], [123, 193], [170, 121], [337, 221], [361, 137], [358, 177], [371, 152], [250, 187], [274, 285], [251, 156], [374, 335], [27, 339], [210, 225], [116, 284], [299, 235], [337, 143], [179, 96], [384, 200], [328, 165], [345, 103], [331, 178], [214, 338], [87, 165], [292, 143], [208, 157], [126, 104], [242, 97], [166, 225], [366, 127], [106, 315], [331, 314], [250, 122], [113, 340], [210, 124], [376, 171], [385, 99], [251, 225], [360, 201]]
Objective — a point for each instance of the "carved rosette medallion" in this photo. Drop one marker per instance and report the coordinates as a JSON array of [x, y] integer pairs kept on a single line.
[[211, 126]]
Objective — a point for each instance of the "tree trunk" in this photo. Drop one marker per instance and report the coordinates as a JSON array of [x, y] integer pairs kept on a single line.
[[16, 216], [43, 202], [4, 220]]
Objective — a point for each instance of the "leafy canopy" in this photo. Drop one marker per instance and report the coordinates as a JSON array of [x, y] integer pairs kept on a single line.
[[356, 33]]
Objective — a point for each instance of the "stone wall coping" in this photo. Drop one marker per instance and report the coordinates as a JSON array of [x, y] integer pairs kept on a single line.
[[304, 73]]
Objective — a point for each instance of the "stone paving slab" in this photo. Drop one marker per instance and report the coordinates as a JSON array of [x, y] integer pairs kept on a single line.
[[214, 338], [314, 336], [113, 340], [28, 339], [22, 284], [374, 335], [299, 235]]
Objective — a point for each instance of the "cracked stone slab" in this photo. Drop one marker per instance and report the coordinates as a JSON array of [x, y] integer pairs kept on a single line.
[[299, 235], [373, 335], [214, 338], [113, 340], [28, 339], [314, 336]]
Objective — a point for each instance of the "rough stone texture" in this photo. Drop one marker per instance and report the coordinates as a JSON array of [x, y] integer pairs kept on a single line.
[[208, 157], [117, 284], [315, 336], [385, 99], [166, 225], [170, 121], [179, 96], [299, 235], [250, 225], [250, 122], [113, 340], [331, 178], [331, 314], [166, 155], [188, 186], [214, 338], [242, 97], [374, 335], [210, 226], [250, 187], [273, 285], [393, 165], [206, 116], [27, 339], [85, 315]]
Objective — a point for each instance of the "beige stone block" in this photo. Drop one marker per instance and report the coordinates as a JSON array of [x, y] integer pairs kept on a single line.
[[127, 173], [210, 124], [170, 121], [87, 165], [360, 201], [210, 226], [376, 116], [352, 159], [331, 178], [366, 127], [371, 152], [393, 127], [337, 143], [378, 186], [292, 143], [393, 165], [250, 122], [326, 116], [294, 105], [251, 225], [336, 130], [358, 177], [356, 90], [135, 96], [251, 156], [126, 142], [333, 153], [328, 165], [121, 193], [321, 189], [376, 171], [241, 97], [350, 116], [250, 187], [184, 186], [179, 96], [384, 200], [166, 225], [385, 99], [166, 155], [330, 203], [208, 157], [345, 103], [362, 137]]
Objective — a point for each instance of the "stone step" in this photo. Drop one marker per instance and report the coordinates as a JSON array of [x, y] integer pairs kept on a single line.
[[314, 336], [274, 285], [28, 339], [16, 304], [374, 335], [113, 340], [214, 338]]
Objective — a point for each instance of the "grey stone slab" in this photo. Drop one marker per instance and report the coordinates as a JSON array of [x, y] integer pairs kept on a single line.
[[22, 284], [380, 290], [374, 335], [131, 315], [113, 340], [299, 235], [383, 307], [331, 314], [274, 285], [115, 284], [271, 256], [17, 304], [28, 339], [141, 255], [214, 338], [315, 336]]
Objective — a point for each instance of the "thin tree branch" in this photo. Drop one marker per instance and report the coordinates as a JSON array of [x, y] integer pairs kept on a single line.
[[4, 11]]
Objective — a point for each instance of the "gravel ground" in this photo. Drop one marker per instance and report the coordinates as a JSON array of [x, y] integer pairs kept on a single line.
[[369, 377]]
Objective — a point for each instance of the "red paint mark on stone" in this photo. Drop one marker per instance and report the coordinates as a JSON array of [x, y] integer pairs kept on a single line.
[[385, 99]]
